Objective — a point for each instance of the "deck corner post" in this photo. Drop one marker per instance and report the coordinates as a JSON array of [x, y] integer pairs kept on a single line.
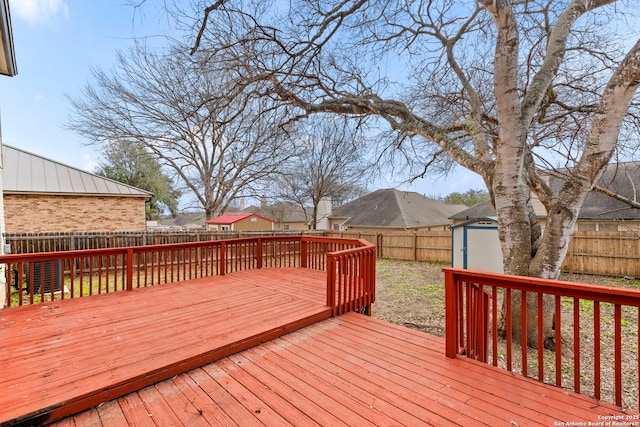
[[450, 296], [331, 283]]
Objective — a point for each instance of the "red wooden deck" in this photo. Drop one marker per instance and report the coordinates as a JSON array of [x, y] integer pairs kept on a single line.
[[60, 357], [348, 370]]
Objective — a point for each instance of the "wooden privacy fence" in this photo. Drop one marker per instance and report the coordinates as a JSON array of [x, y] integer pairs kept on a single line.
[[609, 253], [432, 246], [28, 243], [606, 253], [596, 331], [590, 252]]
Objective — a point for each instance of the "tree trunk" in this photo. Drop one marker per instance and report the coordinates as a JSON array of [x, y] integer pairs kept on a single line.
[[519, 233]]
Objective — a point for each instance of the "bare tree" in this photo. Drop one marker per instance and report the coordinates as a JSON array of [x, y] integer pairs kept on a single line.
[[502, 88], [330, 163], [221, 144]]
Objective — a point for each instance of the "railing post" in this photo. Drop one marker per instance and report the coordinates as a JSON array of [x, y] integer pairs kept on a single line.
[[372, 279], [259, 253], [451, 312], [331, 283], [129, 269], [303, 253], [222, 262]]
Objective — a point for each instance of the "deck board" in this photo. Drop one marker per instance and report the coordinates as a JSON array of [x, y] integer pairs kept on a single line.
[[65, 355], [355, 370]]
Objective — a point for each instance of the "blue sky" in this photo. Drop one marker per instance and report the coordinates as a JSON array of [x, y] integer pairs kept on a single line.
[[57, 42]]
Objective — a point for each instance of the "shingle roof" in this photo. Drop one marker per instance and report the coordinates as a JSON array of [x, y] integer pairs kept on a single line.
[[282, 211], [621, 178], [233, 218], [25, 172], [395, 208]]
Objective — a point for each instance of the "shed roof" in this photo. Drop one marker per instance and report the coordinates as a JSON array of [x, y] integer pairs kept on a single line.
[[232, 218], [481, 210], [395, 208], [26, 172]]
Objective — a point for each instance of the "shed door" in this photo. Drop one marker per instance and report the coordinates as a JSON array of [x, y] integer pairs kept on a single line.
[[482, 249]]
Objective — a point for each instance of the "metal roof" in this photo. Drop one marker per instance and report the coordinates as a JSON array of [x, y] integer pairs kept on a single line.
[[25, 172]]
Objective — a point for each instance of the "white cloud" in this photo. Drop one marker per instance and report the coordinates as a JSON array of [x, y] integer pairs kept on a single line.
[[39, 11], [89, 163]]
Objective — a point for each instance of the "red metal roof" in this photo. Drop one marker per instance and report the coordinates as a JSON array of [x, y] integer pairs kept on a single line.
[[233, 218]]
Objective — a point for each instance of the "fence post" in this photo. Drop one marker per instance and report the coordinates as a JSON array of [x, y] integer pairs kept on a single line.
[[451, 313]]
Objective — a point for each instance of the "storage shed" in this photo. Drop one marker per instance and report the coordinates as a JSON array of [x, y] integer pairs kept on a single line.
[[476, 246]]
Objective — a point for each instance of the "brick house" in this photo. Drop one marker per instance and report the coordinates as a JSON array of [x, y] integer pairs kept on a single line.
[[41, 196]]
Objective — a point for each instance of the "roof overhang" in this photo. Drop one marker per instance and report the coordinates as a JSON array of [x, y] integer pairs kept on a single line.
[[7, 54], [482, 219]]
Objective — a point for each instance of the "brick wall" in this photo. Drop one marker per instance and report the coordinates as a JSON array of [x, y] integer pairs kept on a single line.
[[57, 213]]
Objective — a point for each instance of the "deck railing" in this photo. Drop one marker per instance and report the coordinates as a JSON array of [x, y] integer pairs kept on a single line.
[[597, 332], [351, 279], [42, 277]]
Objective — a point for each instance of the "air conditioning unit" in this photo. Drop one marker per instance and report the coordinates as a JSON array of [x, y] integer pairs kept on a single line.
[[42, 272]]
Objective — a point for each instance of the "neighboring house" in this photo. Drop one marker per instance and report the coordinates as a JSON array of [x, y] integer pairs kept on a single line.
[[286, 216], [240, 222], [390, 209], [599, 211], [41, 195]]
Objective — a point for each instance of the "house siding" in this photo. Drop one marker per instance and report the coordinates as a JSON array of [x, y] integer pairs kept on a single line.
[[291, 226], [65, 213], [247, 224]]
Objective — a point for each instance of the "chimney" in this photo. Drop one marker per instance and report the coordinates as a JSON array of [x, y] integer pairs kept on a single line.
[[324, 212]]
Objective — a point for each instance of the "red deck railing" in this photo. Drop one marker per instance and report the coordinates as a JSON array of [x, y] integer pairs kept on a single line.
[[597, 332], [42, 277]]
